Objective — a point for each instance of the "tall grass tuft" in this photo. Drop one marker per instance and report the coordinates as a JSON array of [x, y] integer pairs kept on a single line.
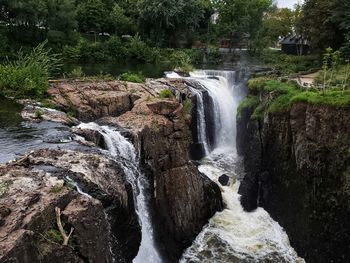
[[27, 77]]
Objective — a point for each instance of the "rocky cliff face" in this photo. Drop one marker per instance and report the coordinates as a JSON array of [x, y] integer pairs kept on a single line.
[[183, 200], [31, 189], [297, 165]]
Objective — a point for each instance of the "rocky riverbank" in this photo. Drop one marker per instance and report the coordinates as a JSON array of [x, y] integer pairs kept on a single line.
[[182, 199], [297, 164]]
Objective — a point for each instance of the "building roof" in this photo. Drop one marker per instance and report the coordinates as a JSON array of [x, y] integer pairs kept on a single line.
[[294, 40]]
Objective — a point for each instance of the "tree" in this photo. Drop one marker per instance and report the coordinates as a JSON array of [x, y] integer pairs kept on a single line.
[[122, 24], [62, 15], [239, 19], [93, 15], [165, 20], [318, 25], [341, 17]]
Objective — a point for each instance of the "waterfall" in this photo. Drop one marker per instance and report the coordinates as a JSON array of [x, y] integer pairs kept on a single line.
[[224, 109], [231, 235], [119, 147]]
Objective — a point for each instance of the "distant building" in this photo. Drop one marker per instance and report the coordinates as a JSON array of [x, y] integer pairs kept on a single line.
[[295, 45]]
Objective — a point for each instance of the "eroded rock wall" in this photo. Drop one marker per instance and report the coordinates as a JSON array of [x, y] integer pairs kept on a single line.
[[297, 165]]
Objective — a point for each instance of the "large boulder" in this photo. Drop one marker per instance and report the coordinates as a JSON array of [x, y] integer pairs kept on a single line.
[[92, 100], [94, 198]]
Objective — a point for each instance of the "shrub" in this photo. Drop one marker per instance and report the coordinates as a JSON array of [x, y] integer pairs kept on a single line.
[[165, 93], [132, 77], [249, 102], [187, 106], [38, 114], [77, 73], [257, 84], [28, 75]]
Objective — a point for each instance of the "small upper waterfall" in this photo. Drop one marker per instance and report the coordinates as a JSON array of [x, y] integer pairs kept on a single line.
[[232, 235], [119, 147], [224, 109]]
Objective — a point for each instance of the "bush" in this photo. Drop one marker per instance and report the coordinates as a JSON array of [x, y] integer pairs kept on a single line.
[[187, 106], [77, 73], [288, 64], [249, 102], [165, 93], [257, 84], [132, 77], [28, 75]]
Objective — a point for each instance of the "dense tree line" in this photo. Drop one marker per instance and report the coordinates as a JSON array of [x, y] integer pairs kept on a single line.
[[161, 21]]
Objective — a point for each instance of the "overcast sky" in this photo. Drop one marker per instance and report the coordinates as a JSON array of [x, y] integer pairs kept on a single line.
[[287, 3]]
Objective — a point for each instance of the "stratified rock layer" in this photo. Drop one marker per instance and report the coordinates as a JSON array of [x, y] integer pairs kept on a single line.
[[300, 159]]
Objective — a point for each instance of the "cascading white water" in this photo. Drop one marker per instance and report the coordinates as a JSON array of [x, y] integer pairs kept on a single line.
[[119, 147], [232, 235], [225, 108]]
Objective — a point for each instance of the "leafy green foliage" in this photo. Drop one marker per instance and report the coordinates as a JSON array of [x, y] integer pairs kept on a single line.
[[38, 114], [165, 93], [250, 102], [55, 236], [284, 64], [28, 76], [77, 73], [132, 77], [241, 19]]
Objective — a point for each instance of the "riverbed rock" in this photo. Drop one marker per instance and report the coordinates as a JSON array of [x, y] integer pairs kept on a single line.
[[297, 165], [89, 101], [34, 185], [38, 113], [224, 180]]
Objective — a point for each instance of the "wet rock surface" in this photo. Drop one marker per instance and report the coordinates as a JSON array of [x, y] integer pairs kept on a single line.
[[33, 186], [224, 180], [297, 167]]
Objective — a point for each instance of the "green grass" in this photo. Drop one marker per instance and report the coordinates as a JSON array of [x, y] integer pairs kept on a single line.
[[249, 102], [281, 96], [257, 84], [132, 77], [165, 93], [336, 98]]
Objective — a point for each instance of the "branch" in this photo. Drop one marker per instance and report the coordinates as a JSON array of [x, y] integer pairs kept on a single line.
[[60, 227]]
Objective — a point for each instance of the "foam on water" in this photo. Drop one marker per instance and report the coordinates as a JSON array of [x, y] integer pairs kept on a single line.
[[232, 235]]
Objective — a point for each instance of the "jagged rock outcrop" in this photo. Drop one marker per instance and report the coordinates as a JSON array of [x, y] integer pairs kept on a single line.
[[183, 198], [297, 165], [33, 186]]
